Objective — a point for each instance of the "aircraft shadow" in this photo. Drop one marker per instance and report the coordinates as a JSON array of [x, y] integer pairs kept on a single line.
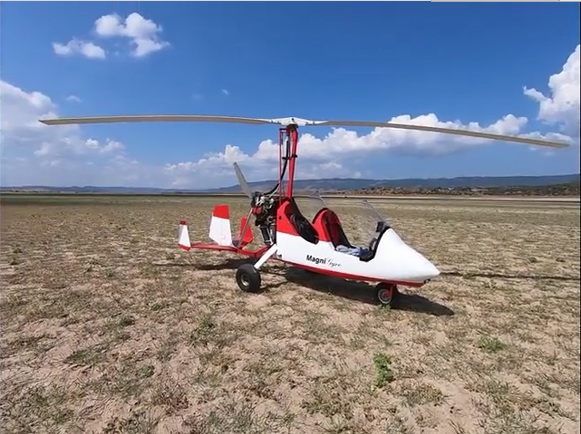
[[512, 276], [363, 292], [230, 264], [357, 291]]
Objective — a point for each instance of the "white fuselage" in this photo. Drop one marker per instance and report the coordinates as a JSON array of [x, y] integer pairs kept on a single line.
[[394, 260]]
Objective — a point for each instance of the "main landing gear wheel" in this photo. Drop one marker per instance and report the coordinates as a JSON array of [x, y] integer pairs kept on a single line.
[[248, 278], [387, 294]]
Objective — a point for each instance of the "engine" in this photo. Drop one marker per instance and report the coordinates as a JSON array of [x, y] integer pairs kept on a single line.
[[264, 210]]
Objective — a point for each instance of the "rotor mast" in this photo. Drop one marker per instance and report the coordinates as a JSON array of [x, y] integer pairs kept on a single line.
[[292, 131]]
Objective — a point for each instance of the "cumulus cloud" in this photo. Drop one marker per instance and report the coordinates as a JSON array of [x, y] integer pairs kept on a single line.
[[34, 152], [344, 145], [561, 107], [73, 98], [143, 33], [78, 47]]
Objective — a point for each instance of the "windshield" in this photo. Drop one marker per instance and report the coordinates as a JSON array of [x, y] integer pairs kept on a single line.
[[310, 205], [360, 220], [368, 223]]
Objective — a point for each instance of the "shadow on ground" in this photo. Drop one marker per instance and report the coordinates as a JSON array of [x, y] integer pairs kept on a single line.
[[356, 291], [363, 292], [230, 263], [468, 275]]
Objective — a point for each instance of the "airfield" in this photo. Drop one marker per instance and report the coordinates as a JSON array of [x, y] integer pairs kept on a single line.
[[108, 327]]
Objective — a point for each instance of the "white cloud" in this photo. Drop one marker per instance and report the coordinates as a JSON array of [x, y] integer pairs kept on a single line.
[[20, 113], [83, 48], [343, 145], [143, 33], [75, 146], [561, 107], [33, 152], [73, 98], [225, 92]]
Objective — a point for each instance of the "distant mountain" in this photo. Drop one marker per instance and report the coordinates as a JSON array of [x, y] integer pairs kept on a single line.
[[349, 184], [333, 184]]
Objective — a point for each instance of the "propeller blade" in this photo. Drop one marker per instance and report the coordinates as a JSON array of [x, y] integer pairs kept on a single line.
[[242, 181], [459, 132]]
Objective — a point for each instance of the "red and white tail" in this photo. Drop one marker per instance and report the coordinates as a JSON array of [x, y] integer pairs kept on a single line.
[[220, 231], [184, 236]]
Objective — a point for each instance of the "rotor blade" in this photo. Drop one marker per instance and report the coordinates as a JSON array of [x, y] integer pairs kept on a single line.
[[242, 181], [298, 122], [460, 132], [154, 118], [179, 118]]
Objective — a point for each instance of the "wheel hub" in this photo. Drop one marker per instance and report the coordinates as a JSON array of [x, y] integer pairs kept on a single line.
[[386, 295]]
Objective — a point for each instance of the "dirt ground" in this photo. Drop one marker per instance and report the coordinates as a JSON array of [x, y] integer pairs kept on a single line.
[[107, 327]]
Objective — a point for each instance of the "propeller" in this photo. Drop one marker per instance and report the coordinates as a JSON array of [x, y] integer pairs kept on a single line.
[[242, 181], [297, 122]]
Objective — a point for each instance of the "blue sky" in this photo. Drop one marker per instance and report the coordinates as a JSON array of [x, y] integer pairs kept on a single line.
[[366, 61]]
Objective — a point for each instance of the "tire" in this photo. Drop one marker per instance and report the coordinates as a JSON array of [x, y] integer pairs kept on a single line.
[[387, 294], [248, 278]]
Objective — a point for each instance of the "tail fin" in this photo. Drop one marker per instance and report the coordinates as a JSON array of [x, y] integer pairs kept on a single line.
[[244, 238], [184, 236], [220, 231]]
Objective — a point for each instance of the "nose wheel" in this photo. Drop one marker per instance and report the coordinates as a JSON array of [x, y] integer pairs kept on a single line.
[[387, 294]]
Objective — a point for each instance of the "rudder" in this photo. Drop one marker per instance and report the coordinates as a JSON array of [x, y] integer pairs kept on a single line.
[[220, 231]]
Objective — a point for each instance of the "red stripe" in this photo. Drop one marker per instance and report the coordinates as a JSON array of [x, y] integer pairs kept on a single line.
[[186, 248], [221, 211], [352, 276], [183, 222], [213, 247]]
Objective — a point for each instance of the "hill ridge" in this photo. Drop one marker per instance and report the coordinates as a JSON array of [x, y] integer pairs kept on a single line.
[[335, 184]]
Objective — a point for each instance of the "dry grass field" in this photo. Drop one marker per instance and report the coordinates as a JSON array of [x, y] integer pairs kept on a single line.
[[107, 327]]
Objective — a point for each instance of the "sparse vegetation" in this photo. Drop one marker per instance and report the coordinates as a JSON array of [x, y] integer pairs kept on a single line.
[[490, 344], [565, 189], [107, 327]]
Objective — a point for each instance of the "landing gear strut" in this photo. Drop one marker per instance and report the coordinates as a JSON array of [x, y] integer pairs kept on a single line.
[[387, 294]]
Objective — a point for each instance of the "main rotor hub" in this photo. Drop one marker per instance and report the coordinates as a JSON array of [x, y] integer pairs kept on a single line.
[[294, 121]]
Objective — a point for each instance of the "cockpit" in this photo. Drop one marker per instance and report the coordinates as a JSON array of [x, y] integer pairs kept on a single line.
[[365, 225]]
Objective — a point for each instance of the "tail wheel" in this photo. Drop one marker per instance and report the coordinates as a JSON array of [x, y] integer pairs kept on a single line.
[[248, 278], [387, 293]]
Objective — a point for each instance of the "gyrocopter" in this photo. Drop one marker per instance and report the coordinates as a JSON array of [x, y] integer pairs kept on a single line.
[[319, 245]]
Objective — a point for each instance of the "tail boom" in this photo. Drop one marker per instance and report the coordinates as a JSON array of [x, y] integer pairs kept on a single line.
[[221, 235]]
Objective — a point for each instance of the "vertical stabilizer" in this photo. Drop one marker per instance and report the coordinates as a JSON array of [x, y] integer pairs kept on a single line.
[[220, 231], [184, 236]]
